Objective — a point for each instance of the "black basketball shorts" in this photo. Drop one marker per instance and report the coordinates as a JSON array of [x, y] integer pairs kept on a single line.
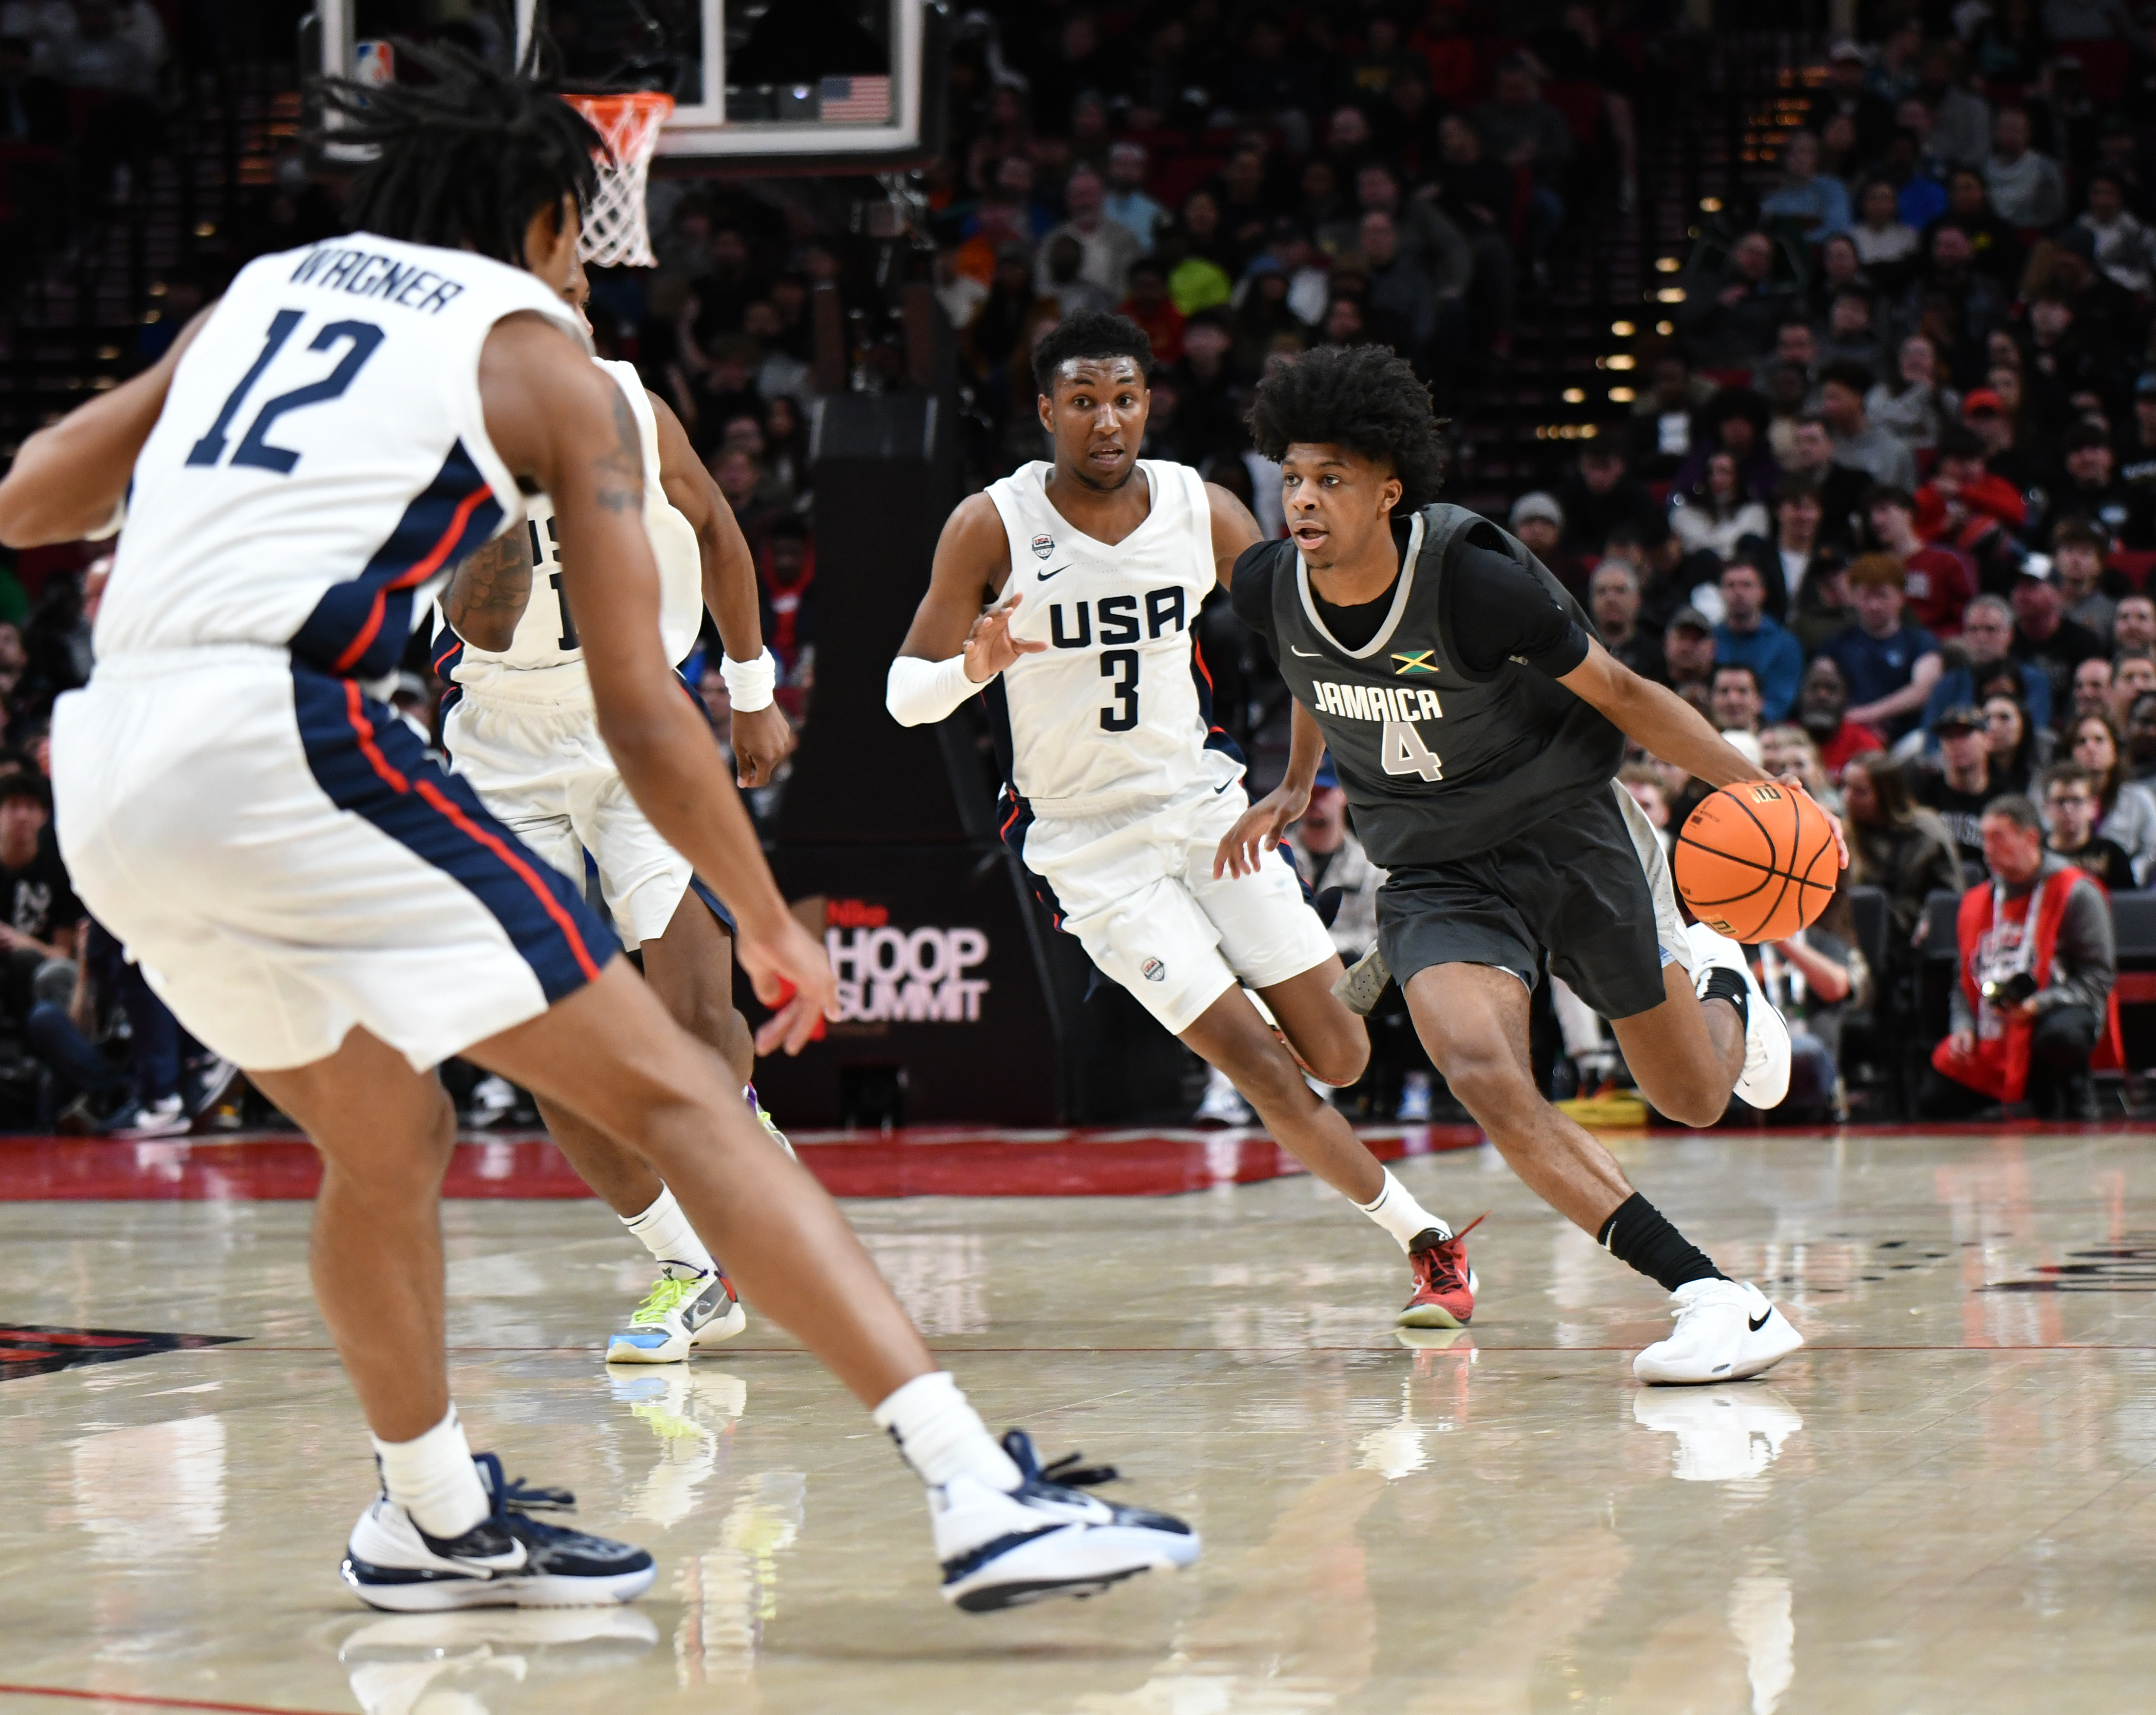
[[1588, 884]]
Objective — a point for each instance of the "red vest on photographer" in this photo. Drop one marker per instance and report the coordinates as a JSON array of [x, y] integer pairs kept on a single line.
[[1998, 1063]]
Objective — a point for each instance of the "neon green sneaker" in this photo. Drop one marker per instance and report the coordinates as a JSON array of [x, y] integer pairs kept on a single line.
[[770, 1126], [678, 1313]]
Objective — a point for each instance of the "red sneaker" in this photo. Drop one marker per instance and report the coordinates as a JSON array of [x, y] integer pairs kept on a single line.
[[1445, 1285]]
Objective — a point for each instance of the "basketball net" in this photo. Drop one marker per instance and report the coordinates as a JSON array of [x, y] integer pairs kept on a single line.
[[615, 232]]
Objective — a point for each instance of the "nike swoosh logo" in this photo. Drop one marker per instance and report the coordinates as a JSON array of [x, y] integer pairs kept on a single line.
[[1046, 576], [1308, 654], [1756, 1325], [1222, 788]]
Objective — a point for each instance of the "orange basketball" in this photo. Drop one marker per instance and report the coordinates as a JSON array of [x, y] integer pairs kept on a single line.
[[1756, 862]]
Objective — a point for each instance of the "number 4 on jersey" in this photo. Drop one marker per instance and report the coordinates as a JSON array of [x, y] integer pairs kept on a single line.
[[1405, 753]]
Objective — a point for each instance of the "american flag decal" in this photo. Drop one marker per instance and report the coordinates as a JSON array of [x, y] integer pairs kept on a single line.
[[854, 100]]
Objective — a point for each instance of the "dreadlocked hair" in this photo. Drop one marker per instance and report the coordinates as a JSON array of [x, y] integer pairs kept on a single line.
[[1361, 398], [463, 162]]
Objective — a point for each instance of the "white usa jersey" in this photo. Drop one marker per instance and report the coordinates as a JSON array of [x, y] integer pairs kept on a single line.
[[1117, 709], [544, 660], [321, 454]]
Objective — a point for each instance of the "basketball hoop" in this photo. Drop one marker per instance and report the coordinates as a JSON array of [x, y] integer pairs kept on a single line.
[[615, 229]]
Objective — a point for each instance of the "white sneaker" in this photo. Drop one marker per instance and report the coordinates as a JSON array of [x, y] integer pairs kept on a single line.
[[1765, 1079], [1725, 1331], [1224, 1104], [508, 1559], [1414, 1099], [1044, 1539], [1724, 1434], [167, 1118], [679, 1312], [493, 1099]]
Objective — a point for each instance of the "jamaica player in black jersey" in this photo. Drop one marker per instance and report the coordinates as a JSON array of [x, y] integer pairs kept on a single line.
[[1477, 724]]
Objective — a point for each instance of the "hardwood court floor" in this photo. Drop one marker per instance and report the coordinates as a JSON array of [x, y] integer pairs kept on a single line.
[[1947, 1502]]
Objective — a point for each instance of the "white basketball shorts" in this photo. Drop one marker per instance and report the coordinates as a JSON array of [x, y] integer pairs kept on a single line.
[[544, 770], [1135, 886], [279, 854]]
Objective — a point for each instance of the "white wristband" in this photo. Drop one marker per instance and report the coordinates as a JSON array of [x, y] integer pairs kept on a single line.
[[749, 684], [920, 693], [112, 526]]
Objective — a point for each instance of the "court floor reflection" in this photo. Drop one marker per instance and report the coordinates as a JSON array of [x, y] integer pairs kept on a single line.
[[1946, 1502]]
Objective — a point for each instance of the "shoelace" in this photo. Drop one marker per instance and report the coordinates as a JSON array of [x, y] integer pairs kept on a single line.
[[1441, 1264], [1065, 1473], [666, 1293], [515, 1495]]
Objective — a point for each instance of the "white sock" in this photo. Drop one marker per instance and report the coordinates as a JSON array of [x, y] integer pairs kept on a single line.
[[668, 1236], [942, 1435], [1396, 1210], [433, 1478]]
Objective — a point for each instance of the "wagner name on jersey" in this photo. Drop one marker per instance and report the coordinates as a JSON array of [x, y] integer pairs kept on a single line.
[[1117, 709], [322, 453], [544, 661]]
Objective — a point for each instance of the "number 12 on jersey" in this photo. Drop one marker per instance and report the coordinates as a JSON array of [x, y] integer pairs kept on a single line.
[[1403, 752], [359, 339]]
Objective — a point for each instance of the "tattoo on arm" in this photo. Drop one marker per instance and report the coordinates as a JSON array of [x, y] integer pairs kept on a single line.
[[490, 589], [620, 469]]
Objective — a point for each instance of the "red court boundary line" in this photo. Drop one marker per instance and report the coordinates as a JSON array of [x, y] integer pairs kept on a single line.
[[245, 1349], [135, 1700]]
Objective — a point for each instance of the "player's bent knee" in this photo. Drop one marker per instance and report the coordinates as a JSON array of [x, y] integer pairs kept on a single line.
[[1490, 1084], [1338, 1058], [1697, 1105]]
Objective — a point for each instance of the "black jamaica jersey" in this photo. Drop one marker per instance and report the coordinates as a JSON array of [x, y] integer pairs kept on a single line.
[[1442, 757]]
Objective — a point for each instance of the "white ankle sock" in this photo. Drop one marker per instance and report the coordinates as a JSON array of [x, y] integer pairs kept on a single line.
[[1396, 1210], [942, 1435], [668, 1236], [433, 1478]]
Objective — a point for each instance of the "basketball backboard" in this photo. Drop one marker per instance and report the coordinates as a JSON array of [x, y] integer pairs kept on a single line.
[[759, 85]]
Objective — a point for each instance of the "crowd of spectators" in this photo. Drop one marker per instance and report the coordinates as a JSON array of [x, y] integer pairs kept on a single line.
[[1884, 506], [1885, 512], [1246, 183]]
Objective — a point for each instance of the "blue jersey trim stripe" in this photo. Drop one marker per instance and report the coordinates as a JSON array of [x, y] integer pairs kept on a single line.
[[1014, 819], [1216, 736], [371, 763], [359, 626]]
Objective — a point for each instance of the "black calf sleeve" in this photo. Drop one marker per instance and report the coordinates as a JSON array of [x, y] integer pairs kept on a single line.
[[1640, 1235]]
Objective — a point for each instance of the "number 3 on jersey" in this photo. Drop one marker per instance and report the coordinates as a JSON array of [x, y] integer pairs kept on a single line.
[[1121, 665], [360, 340], [1405, 753]]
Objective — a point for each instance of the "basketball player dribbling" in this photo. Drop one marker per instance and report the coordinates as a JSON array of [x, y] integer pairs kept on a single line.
[[316, 899], [520, 726], [1072, 588], [1478, 726]]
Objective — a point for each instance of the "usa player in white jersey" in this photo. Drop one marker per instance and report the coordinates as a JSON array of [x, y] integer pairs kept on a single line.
[[316, 899], [520, 726], [1069, 591]]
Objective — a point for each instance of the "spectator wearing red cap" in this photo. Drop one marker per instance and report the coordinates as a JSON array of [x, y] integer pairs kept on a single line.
[[1966, 508]]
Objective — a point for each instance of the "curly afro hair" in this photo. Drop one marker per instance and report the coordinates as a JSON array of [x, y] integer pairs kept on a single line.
[[1362, 397], [1095, 333]]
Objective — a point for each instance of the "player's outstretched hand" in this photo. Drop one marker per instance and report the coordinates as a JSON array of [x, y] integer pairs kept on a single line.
[[763, 740], [989, 645], [1258, 830], [1833, 821], [787, 965]]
